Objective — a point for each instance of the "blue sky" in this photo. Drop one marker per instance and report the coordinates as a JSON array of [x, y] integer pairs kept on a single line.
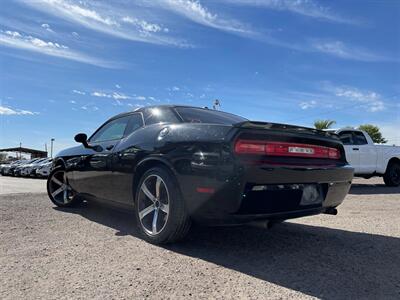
[[67, 66]]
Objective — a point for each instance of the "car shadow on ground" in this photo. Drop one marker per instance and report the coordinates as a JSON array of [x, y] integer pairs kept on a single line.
[[373, 189], [322, 262]]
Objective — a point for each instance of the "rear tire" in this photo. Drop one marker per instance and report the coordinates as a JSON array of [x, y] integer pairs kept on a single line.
[[160, 208], [59, 190], [392, 174]]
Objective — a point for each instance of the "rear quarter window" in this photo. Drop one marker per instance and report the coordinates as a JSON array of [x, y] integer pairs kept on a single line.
[[153, 115], [199, 115]]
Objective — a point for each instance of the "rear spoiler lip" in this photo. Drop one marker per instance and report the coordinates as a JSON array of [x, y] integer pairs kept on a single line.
[[280, 126]]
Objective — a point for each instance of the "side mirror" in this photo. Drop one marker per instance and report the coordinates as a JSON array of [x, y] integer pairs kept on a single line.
[[82, 138]]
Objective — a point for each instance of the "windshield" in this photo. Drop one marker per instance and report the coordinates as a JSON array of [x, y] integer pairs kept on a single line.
[[201, 115]]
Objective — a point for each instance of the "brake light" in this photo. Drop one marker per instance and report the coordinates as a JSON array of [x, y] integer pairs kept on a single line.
[[285, 149]]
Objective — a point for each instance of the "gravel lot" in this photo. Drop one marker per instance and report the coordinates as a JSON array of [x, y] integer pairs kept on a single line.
[[93, 252]]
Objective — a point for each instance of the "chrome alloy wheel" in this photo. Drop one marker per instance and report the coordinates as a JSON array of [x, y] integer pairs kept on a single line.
[[59, 188], [153, 205]]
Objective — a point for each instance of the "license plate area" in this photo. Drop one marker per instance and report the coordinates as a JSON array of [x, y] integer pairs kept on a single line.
[[312, 194]]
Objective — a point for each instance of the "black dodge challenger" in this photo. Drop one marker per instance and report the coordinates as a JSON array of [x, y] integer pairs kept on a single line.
[[177, 164]]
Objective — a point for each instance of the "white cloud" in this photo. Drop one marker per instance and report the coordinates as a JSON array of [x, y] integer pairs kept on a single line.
[[333, 47], [72, 101], [17, 40], [10, 111], [307, 104], [121, 96], [79, 92], [339, 49], [16, 36], [196, 12], [135, 105], [175, 88], [114, 95], [117, 102], [106, 19], [100, 94], [89, 107], [117, 86], [308, 8], [140, 98], [372, 100], [46, 27], [143, 26]]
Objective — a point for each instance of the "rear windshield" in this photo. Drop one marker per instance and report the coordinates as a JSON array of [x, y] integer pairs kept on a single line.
[[153, 115], [200, 115]]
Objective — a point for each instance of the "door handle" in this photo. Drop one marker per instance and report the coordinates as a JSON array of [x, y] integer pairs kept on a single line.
[[110, 147], [356, 149]]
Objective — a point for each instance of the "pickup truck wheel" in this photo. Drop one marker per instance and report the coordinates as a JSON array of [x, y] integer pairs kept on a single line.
[[392, 175]]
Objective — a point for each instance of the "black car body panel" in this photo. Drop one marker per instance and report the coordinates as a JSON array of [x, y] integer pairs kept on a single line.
[[216, 183]]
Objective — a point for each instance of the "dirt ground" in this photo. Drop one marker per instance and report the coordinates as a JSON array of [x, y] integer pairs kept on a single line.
[[94, 252]]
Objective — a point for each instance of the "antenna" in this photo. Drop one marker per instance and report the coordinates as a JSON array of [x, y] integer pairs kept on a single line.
[[217, 104]]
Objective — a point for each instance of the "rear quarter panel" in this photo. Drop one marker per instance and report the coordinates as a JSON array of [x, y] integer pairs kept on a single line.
[[181, 147]]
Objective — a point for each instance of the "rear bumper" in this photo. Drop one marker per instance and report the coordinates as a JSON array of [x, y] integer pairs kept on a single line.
[[249, 193]]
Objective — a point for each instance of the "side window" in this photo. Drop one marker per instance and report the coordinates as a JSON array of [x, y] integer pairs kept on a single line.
[[113, 130], [346, 137], [135, 122], [154, 115], [359, 138]]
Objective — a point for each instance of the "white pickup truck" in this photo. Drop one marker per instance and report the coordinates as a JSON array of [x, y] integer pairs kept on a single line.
[[368, 159]]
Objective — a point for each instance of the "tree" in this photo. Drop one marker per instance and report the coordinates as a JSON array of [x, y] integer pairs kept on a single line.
[[323, 124], [374, 132]]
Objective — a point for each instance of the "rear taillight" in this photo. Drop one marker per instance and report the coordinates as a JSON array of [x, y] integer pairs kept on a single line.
[[285, 149]]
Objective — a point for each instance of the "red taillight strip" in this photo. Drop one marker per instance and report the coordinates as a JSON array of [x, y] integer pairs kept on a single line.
[[285, 149]]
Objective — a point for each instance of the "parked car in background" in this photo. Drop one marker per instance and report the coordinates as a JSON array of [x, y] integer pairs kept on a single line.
[[368, 159], [27, 168], [30, 168], [9, 170], [3, 166], [5, 170], [178, 164], [20, 169], [44, 168]]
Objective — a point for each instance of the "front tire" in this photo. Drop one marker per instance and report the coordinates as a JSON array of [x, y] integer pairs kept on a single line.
[[59, 190], [160, 208], [392, 174]]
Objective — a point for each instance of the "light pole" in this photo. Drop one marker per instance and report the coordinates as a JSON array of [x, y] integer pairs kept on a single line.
[[51, 147]]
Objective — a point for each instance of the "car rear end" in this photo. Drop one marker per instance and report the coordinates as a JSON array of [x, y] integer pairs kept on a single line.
[[279, 172]]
